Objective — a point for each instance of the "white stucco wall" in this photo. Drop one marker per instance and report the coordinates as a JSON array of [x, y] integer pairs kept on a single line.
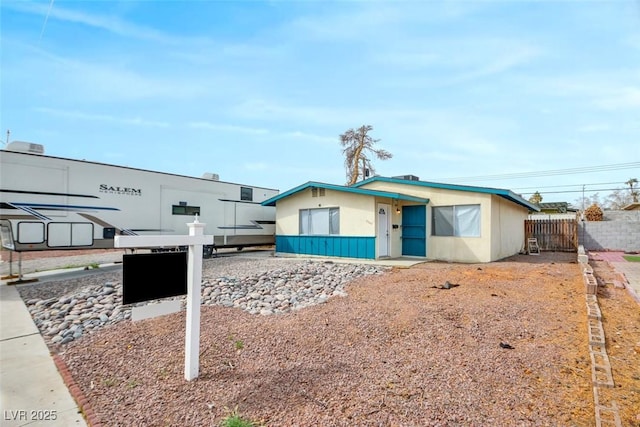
[[460, 249], [357, 212], [501, 230], [502, 224], [507, 227]]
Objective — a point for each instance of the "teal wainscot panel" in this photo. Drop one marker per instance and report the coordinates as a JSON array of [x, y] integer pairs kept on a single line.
[[331, 246]]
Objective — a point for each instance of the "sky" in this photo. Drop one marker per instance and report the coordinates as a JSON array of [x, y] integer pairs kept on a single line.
[[541, 95]]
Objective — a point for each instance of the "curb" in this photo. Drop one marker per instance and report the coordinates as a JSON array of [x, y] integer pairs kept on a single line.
[[78, 395]]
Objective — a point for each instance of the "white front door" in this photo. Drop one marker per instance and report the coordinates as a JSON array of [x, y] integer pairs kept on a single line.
[[384, 221]]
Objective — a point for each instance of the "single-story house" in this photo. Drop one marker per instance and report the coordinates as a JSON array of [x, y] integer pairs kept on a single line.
[[400, 217], [555, 208]]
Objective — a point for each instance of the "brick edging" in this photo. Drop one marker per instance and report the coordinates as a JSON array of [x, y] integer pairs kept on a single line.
[[601, 375], [76, 392]]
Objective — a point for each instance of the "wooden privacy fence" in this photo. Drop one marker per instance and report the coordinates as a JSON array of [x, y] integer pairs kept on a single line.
[[553, 234]]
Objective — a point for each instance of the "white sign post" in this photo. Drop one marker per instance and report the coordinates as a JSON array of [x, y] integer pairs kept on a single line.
[[195, 240]]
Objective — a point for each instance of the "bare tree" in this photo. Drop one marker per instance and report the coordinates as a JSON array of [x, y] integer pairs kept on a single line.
[[358, 145], [634, 191], [583, 202], [617, 199]]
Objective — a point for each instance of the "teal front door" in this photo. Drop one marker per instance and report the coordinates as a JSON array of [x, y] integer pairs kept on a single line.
[[414, 230]]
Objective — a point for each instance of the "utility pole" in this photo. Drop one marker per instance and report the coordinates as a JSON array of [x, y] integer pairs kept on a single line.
[[582, 215]]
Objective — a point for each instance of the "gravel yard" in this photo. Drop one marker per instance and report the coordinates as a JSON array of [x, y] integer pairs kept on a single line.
[[389, 348]]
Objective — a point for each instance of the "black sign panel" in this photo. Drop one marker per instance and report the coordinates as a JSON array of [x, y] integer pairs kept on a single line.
[[147, 277]]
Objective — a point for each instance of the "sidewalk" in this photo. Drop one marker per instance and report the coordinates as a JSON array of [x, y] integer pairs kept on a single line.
[[631, 271], [32, 391]]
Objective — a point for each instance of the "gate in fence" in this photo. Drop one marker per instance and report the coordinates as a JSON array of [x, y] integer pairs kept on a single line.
[[559, 235]]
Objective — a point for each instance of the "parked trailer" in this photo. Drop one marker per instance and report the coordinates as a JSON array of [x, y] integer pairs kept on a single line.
[[57, 203]]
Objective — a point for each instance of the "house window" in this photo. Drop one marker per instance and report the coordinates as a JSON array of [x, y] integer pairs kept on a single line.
[[246, 193], [185, 210], [323, 221], [459, 221]]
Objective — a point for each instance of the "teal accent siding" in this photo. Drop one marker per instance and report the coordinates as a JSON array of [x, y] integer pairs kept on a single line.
[[332, 246]]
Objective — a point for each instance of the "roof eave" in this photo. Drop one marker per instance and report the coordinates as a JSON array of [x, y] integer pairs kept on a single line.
[[520, 201], [506, 194], [362, 191]]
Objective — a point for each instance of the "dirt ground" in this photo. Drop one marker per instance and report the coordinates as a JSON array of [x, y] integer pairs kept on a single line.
[[508, 346]]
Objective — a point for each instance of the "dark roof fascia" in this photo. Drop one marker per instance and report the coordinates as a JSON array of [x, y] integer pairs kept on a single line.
[[507, 194], [361, 191]]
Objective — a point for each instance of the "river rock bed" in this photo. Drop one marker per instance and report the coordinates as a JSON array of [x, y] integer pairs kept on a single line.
[[65, 311]]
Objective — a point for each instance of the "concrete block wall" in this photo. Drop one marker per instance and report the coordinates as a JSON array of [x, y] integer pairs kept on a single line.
[[622, 215], [609, 235]]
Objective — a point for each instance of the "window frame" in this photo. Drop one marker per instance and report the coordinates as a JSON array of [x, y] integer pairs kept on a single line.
[[332, 218], [186, 210], [246, 194], [453, 218]]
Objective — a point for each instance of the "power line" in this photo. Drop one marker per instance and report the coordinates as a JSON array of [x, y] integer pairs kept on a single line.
[[576, 191], [566, 185], [535, 174]]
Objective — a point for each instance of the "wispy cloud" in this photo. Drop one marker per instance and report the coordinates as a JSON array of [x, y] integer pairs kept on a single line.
[[406, 59], [112, 24], [79, 115], [512, 57], [305, 136], [273, 110], [256, 166], [605, 89], [595, 127], [633, 41], [372, 22], [620, 99], [349, 24], [115, 79], [272, 134], [477, 145], [449, 87], [207, 53], [438, 62], [228, 128]]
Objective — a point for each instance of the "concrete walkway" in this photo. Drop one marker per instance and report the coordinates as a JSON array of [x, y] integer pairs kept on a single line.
[[630, 270], [32, 390]]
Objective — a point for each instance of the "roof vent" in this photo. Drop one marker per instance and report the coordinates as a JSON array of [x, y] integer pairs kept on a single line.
[[25, 147], [211, 176], [407, 177]]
